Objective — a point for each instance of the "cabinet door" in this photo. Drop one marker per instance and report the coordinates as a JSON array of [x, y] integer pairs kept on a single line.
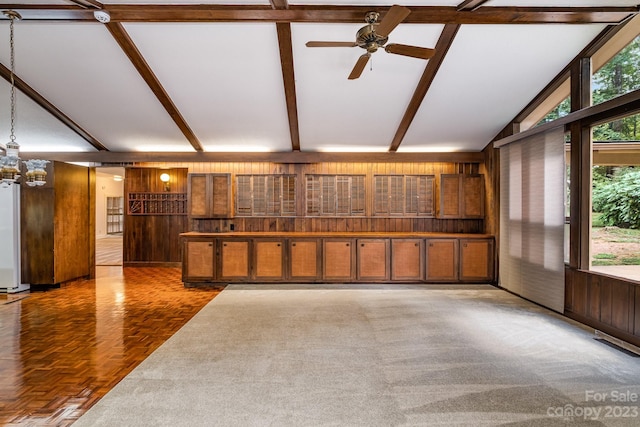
[[337, 259], [199, 260], [197, 195], [221, 196], [304, 259], [450, 196], [268, 259], [209, 195], [373, 259], [407, 259], [476, 259], [461, 196], [442, 259], [234, 259], [472, 196]]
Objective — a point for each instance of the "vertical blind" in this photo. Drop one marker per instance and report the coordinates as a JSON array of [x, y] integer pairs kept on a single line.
[[532, 218]]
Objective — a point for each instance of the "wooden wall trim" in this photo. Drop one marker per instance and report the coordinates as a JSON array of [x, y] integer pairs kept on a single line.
[[606, 303], [297, 157]]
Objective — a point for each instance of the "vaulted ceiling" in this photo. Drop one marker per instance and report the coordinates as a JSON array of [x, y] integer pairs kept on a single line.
[[236, 76]]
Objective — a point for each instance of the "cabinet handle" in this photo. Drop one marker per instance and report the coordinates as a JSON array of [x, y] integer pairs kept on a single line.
[[293, 244], [278, 245], [362, 245], [347, 244], [417, 245], [210, 244], [224, 244], [430, 245]]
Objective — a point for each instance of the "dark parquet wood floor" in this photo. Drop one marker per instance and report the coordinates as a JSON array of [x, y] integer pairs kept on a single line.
[[63, 349]]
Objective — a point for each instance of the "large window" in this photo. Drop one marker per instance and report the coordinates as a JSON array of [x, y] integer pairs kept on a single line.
[[618, 76], [615, 218]]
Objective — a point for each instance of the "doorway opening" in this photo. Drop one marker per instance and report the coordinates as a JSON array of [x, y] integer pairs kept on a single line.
[[109, 215]]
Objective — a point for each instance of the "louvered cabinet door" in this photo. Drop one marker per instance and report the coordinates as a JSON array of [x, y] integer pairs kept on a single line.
[[442, 260], [338, 259], [372, 259], [407, 259]]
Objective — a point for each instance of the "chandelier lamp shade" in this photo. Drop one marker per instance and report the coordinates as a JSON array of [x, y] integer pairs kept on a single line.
[[10, 162]]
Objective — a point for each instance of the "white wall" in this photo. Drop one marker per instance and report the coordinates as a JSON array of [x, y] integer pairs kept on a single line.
[[105, 187]]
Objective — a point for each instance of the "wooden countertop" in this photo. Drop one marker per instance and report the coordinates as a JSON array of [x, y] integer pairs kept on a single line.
[[337, 234]]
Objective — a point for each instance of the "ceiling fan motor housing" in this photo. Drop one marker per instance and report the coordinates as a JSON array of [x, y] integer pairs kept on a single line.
[[367, 38]]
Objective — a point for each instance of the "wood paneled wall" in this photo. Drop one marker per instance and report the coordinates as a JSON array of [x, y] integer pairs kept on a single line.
[[153, 239], [57, 226], [605, 303], [319, 224]]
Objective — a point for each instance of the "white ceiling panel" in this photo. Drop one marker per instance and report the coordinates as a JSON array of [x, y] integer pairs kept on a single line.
[[378, 2], [226, 80], [187, 2], [81, 70], [35, 128], [490, 73], [561, 3], [337, 114]]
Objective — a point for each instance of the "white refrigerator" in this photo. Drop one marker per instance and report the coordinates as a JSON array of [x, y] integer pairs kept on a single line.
[[10, 237]]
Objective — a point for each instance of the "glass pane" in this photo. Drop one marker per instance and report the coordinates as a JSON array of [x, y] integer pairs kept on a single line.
[[618, 76], [615, 217]]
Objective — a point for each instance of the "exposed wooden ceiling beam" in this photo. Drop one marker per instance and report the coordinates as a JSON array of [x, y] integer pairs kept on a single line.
[[443, 45], [331, 14], [23, 87], [87, 4], [279, 157], [289, 80], [122, 37], [279, 4], [606, 111], [470, 5]]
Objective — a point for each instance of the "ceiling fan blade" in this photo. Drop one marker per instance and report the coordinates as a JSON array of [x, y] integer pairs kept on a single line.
[[359, 67], [331, 44], [394, 16], [413, 51]]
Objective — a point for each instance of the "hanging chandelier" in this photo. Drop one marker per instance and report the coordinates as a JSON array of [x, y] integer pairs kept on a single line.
[[10, 162]]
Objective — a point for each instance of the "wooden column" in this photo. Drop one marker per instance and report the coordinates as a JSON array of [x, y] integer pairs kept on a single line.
[[580, 174]]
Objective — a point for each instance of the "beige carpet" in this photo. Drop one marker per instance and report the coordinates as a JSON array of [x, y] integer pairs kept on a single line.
[[269, 355]]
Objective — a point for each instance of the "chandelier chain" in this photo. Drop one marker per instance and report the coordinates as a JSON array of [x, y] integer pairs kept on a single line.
[[12, 137]]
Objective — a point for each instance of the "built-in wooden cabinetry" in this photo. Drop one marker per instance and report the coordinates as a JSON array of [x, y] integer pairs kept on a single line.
[[476, 259], [209, 195], [304, 258], [407, 260], [442, 259], [373, 258], [200, 259], [234, 259], [461, 196], [337, 260], [336, 257]]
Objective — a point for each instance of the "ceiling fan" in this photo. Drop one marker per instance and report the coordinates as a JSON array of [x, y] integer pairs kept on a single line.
[[375, 35]]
